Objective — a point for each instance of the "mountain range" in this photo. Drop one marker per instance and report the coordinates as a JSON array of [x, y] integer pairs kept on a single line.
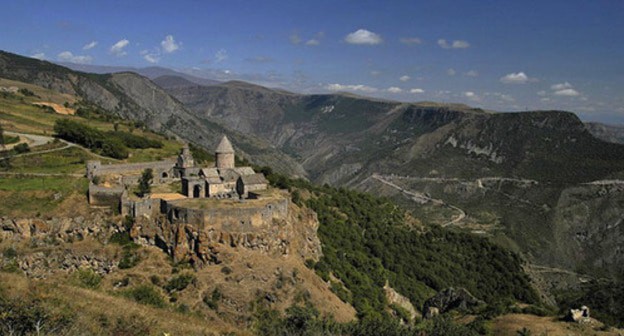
[[525, 177]]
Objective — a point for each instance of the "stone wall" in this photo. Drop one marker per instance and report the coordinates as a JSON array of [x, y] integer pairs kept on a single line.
[[233, 218], [146, 208], [102, 196], [204, 235], [103, 169]]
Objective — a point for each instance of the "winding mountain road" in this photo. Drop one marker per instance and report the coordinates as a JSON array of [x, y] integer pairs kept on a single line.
[[39, 140], [423, 198]]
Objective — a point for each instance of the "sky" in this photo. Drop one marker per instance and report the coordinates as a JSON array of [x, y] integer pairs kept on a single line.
[[498, 55]]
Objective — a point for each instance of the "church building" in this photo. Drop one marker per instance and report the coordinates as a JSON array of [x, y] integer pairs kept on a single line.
[[224, 180]]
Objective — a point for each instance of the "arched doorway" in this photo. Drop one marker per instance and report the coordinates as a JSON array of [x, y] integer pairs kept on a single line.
[[197, 189], [165, 175]]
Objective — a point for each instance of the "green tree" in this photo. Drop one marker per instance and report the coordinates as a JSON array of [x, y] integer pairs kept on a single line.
[[145, 182]]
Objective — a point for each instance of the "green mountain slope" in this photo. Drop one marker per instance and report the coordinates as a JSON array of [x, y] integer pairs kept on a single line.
[[133, 97]]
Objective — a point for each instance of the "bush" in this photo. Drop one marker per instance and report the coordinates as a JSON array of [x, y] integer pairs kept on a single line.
[[10, 253], [145, 182], [129, 258], [28, 316], [212, 301], [145, 294], [21, 148], [87, 278], [180, 282], [156, 280], [26, 92], [11, 267], [135, 141], [91, 138]]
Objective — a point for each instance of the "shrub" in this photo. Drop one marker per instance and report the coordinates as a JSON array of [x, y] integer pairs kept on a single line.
[[87, 278], [145, 294], [156, 280], [11, 267], [401, 312], [145, 182], [21, 148], [91, 138], [26, 92], [134, 325], [135, 141], [212, 301], [10, 253], [129, 258], [180, 282]]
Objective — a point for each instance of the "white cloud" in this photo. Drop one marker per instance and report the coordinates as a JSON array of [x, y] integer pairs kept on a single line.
[[564, 89], [39, 56], [410, 40], [295, 38], [471, 96], [67, 56], [375, 73], [457, 44], [90, 45], [316, 40], [451, 72], [117, 49], [357, 87], [541, 93], [516, 78], [221, 55], [417, 90], [561, 86], [363, 36], [169, 44], [567, 93], [472, 73], [151, 57], [405, 78], [394, 89]]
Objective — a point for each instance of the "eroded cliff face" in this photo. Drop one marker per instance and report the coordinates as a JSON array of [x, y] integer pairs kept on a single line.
[[588, 227], [262, 264]]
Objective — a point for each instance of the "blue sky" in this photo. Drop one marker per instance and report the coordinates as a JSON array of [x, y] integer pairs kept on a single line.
[[499, 55]]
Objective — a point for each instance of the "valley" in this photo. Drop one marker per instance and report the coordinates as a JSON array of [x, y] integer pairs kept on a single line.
[[522, 210]]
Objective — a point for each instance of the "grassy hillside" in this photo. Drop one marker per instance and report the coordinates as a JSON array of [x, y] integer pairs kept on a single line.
[[47, 179]]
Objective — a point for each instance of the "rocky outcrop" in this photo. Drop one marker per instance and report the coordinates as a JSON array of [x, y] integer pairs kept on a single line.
[[396, 298], [38, 230], [212, 243], [450, 299], [578, 315], [46, 238], [40, 265]]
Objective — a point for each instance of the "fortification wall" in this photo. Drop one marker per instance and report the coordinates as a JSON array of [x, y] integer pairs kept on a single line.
[[209, 236], [101, 196], [246, 218], [146, 208], [160, 166]]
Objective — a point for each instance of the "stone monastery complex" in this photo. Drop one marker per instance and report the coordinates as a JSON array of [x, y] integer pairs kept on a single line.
[[110, 184]]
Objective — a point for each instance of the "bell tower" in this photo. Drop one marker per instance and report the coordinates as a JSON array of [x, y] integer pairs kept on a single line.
[[224, 154]]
